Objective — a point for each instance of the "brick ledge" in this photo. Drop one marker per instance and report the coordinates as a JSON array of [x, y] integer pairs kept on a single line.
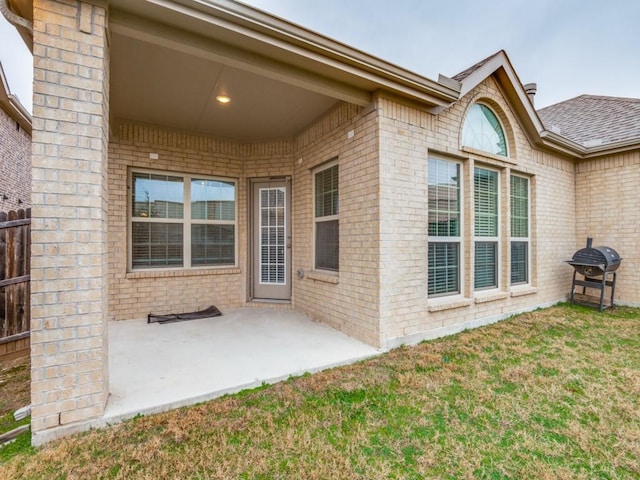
[[323, 277], [522, 291], [438, 305], [181, 273], [491, 297]]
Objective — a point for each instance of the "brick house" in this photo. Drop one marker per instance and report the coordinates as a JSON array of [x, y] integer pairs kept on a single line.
[[193, 153], [15, 150]]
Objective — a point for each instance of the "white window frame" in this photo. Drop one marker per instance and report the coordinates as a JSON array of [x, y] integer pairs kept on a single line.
[[449, 240], [186, 221], [521, 239], [496, 239], [326, 218], [478, 148]]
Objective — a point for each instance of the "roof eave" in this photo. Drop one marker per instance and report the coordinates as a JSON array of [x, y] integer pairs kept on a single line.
[[612, 148], [24, 10], [322, 51], [11, 104], [561, 144]]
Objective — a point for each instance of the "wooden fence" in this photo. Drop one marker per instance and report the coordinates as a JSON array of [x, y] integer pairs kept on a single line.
[[15, 286]]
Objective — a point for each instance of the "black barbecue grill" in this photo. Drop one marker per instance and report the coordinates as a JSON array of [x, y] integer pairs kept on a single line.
[[595, 264]]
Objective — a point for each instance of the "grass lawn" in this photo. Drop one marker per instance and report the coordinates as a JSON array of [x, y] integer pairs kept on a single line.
[[553, 394], [14, 394]]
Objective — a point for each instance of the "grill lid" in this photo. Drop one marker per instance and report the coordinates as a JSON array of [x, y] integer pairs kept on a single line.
[[596, 256], [601, 259]]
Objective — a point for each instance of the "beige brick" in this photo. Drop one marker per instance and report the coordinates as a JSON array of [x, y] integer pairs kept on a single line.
[[62, 167]]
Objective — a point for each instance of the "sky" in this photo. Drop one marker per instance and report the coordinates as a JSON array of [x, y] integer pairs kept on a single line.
[[567, 47]]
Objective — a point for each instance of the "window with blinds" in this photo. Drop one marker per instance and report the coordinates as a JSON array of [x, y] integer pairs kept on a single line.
[[485, 196], [443, 227], [326, 223], [519, 187], [179, 221]]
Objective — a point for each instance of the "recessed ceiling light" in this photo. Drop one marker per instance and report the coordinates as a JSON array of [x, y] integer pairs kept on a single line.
[[223, 99]]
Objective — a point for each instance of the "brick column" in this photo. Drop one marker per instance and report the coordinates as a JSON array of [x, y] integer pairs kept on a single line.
[[69, 360]]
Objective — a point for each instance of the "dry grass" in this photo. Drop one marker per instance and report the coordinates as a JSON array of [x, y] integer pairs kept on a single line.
[[14, 385], [553, 394]]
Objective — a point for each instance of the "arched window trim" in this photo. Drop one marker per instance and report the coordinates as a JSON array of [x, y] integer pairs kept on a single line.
[[502, 134]]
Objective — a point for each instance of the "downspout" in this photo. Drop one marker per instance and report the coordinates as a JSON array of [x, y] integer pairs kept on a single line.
[[13, 19]]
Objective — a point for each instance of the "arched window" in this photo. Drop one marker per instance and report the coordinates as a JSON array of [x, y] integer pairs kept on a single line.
[[482, 131]]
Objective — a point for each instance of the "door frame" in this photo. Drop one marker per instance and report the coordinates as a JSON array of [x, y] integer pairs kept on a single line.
[[251, 234]]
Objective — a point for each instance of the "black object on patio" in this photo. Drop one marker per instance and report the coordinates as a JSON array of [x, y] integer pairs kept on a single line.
[[211, 311], [595, 264]]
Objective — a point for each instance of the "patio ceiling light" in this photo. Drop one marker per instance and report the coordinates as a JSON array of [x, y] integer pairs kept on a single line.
[[224, 99]]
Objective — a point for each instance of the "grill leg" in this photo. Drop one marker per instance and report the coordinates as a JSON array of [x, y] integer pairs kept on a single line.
[[613, 288], [604, 286], [573, 286]]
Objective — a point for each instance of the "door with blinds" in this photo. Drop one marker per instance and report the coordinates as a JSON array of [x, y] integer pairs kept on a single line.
[[271, 239]]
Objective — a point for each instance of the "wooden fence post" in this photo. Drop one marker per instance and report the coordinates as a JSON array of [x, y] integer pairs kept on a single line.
[[15, 287]]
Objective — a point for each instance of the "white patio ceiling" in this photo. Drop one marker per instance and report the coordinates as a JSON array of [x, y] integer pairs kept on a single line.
[[170, 59], [164, 86]]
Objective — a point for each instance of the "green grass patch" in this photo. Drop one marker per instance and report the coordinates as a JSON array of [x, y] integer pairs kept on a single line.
[[552, 394]]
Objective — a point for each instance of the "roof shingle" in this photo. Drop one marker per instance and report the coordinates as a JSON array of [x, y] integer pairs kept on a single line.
[[593, 120], [465, 73]]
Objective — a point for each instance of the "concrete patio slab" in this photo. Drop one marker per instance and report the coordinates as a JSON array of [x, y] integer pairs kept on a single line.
[[154, 367]]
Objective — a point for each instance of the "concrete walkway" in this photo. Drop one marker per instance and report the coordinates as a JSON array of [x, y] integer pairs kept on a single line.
[[155, 367]]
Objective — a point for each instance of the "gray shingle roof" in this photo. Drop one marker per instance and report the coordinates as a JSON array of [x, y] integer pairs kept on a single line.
[[465, 73], [593, 120]]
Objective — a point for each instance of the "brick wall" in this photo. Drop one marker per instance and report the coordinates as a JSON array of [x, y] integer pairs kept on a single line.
[[608, 210], [15, 164], [348, 301], [353, 294], [69, 378], [407, 137], [135, 294]]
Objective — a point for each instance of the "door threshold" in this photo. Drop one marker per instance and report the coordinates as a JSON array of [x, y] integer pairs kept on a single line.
[[269, 303]]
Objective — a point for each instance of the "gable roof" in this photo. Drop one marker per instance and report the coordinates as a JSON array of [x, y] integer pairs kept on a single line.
[[593, 120], [252, 40], [583, 127], [459, 77]]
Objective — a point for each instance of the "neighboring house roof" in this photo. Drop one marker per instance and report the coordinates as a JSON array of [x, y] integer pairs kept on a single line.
[[593, 120], [10, 104]]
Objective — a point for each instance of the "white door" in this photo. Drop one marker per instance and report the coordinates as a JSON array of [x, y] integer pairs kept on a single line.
[[271, 252]]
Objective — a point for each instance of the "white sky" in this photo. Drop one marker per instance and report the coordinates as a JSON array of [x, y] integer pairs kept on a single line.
[[568, 47]]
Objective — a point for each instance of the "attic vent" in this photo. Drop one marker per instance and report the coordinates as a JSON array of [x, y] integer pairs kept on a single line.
[[531, 89], [592, 143]]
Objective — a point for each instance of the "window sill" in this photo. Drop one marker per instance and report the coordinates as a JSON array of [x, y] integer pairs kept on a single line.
[[490, 297], [182, 273], [523, 290], [447, 303], [487, 155], [323, 277]]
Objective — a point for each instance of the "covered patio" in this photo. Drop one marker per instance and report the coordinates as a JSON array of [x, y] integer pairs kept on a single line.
[[154, 367]]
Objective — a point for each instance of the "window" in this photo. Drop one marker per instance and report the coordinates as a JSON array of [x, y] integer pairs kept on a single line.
[[181, 221], [482, 130], [519, 230], [327, 230], [485, 196], [444, 227]]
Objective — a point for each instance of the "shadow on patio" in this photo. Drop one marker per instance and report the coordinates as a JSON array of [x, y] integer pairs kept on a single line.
[[154, 367]]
